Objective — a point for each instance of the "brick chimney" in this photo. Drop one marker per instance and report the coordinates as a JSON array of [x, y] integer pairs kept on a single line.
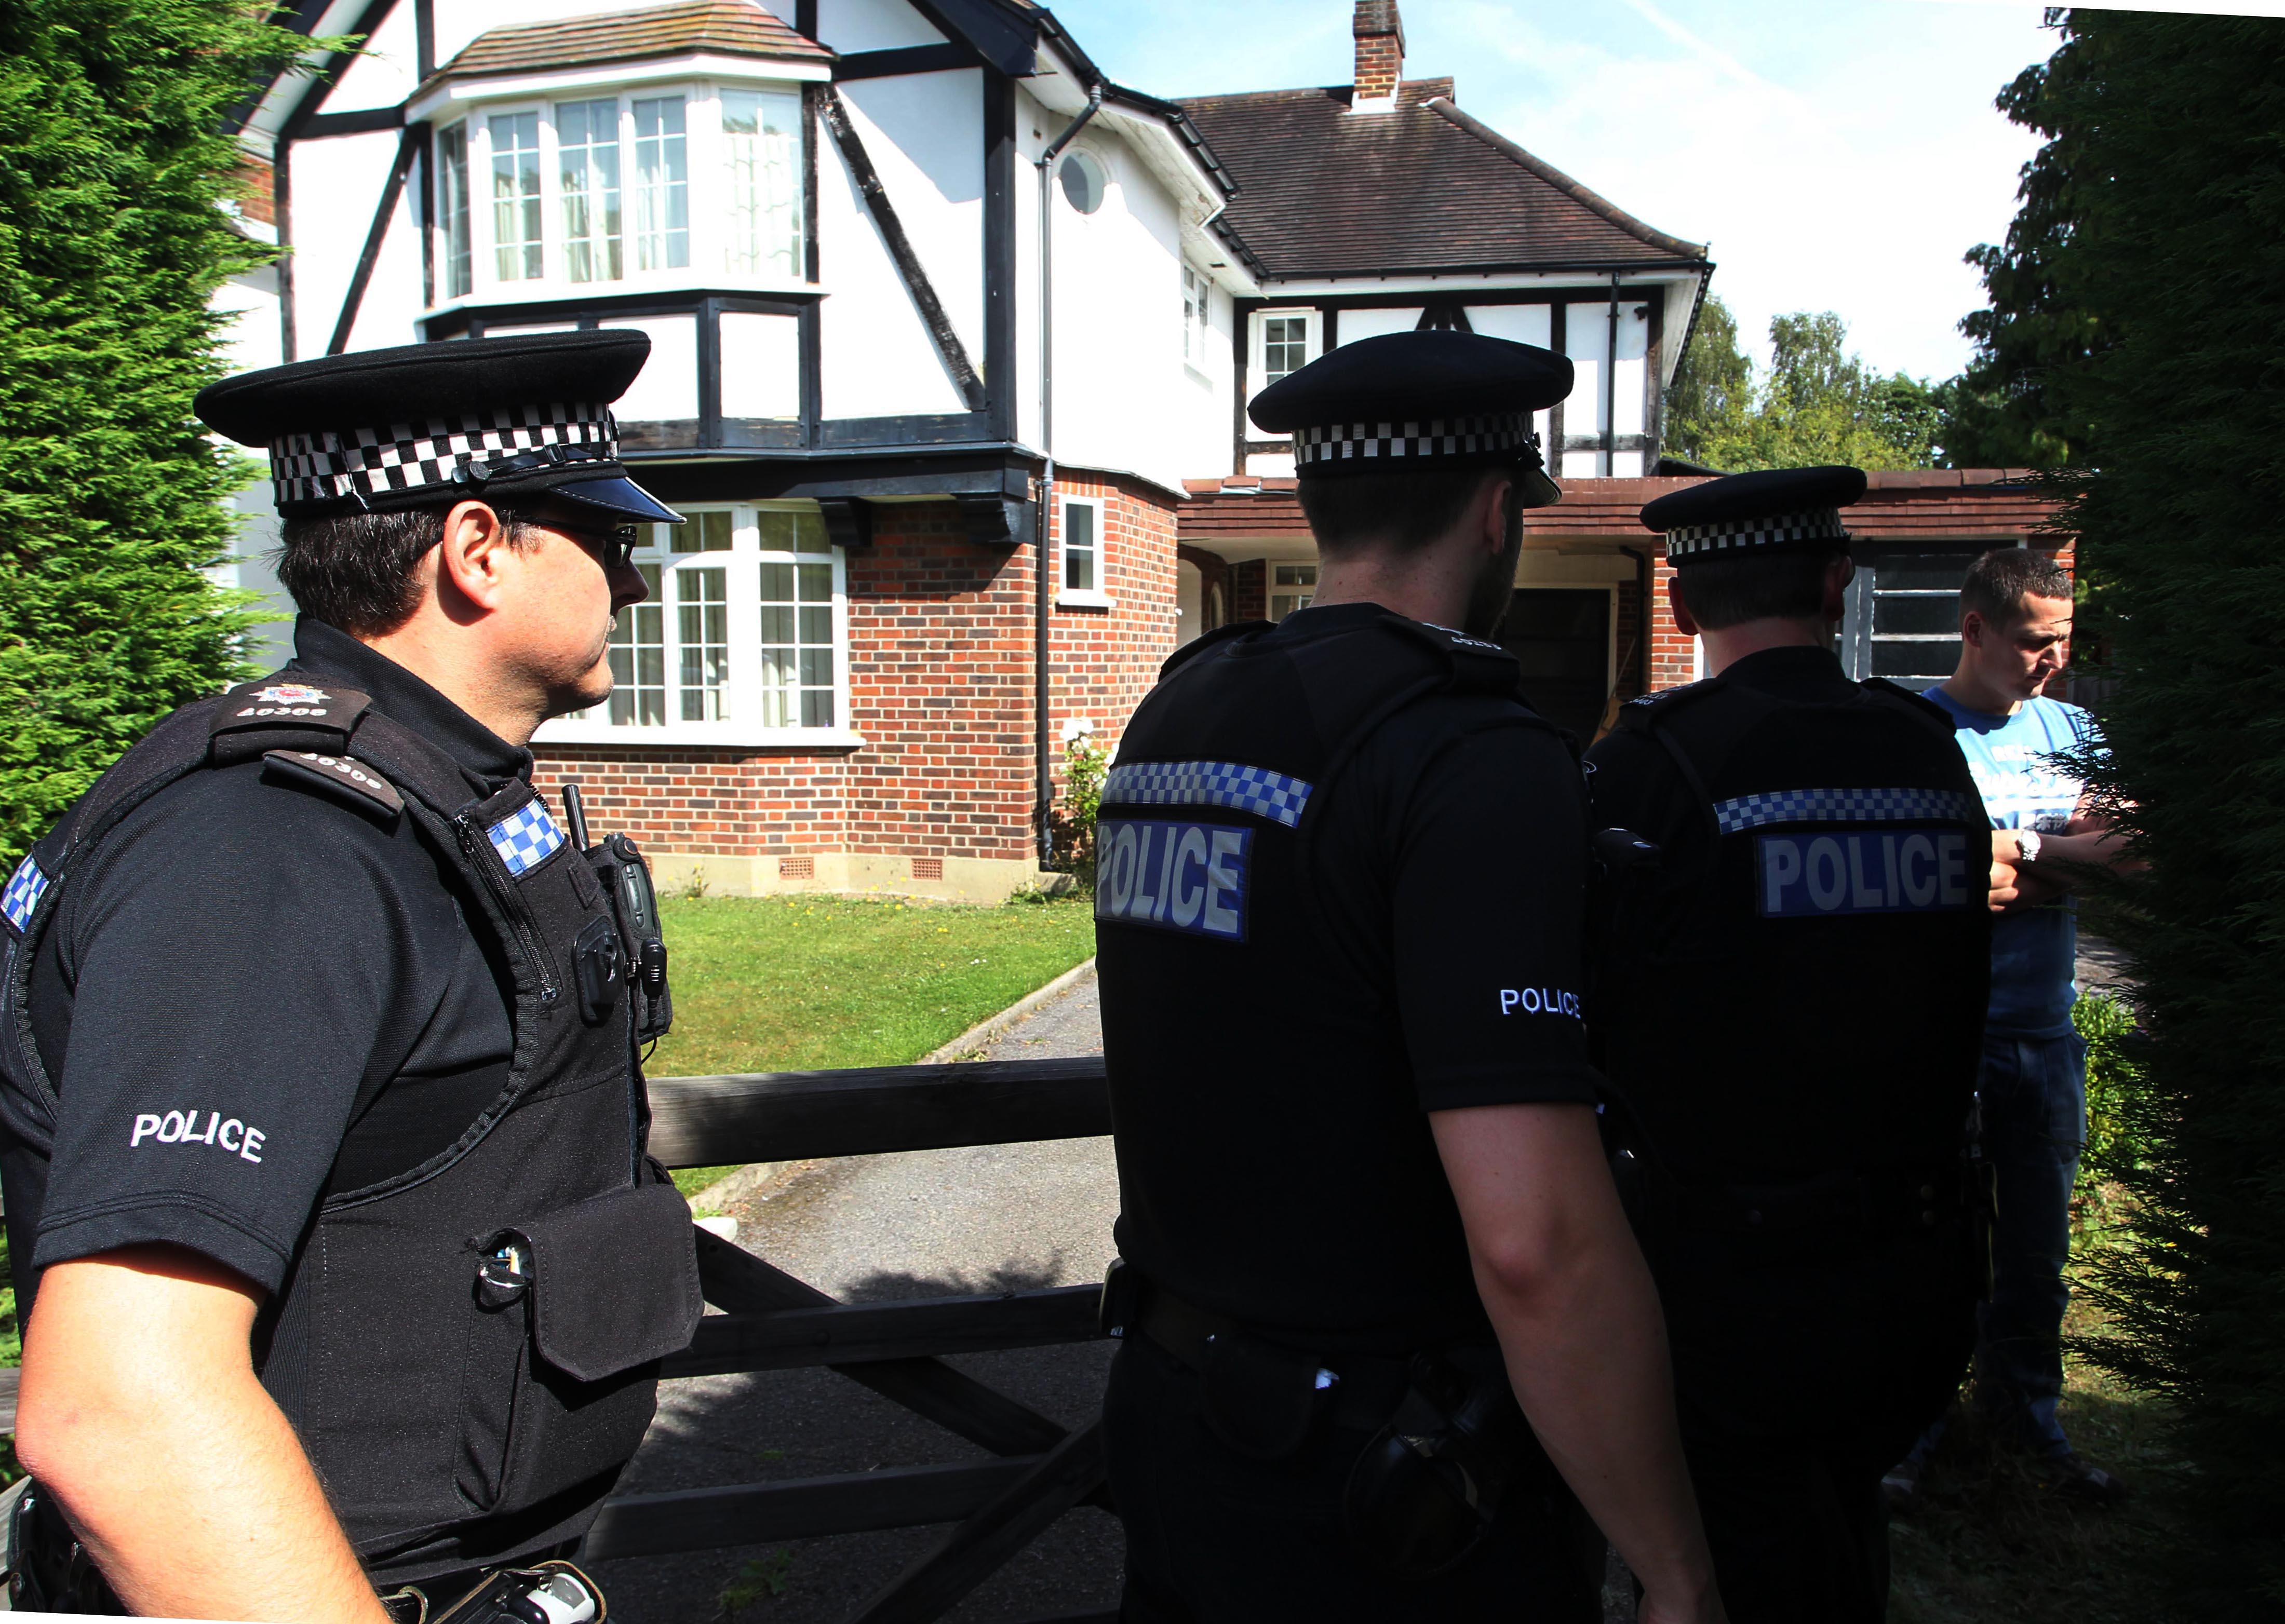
[[1379, 56]]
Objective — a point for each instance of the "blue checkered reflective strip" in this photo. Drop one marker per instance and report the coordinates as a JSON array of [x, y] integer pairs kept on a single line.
[[1749, 812], [526, 837], [24, 888], [1210, 783]]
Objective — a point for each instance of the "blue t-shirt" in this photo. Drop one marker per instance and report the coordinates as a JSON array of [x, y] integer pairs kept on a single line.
[[2035, 951]]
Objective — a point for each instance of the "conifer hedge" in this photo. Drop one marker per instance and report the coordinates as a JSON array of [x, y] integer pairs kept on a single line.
[[2145, 294], [114, 161]]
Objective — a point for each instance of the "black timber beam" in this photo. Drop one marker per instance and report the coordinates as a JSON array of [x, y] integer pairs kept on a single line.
[[948, 347], [862, 1333], [737, 1281], [363, 122], [408, 147], [905, 59], [800, 1508], [793, 1116], [999, 34]]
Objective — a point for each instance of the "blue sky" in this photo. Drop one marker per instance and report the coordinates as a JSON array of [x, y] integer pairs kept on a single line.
[[1839, 154]]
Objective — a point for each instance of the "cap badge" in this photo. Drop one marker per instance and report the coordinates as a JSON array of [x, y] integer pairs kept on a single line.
[[291, 694]]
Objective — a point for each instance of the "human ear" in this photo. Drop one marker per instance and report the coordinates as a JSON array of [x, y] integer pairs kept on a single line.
[[1684, 621], [1491, 518], [473, 555], [1837, 577]]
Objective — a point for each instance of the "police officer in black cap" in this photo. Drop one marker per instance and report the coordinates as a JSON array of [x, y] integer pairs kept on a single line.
[[323, 1124], [1338, 912], [1788, 998]]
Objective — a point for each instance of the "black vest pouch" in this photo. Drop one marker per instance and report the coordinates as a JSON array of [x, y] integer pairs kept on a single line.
[[596, 1293]]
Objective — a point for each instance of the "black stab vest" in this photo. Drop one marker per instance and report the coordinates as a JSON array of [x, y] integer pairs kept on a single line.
[[1210, 940], [1797, 987], [466, 1348]]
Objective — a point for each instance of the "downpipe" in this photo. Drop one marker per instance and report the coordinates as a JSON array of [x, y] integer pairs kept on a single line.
[[1043, 741]]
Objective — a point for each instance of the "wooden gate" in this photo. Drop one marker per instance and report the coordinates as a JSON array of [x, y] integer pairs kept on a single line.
[[771, 1321]]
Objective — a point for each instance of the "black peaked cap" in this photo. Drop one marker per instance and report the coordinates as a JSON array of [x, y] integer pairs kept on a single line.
[[419, 423], [1406, 401], [1767, 510]]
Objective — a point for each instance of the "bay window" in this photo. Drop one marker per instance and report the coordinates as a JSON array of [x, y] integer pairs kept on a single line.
[[623, 190], [743, 639]]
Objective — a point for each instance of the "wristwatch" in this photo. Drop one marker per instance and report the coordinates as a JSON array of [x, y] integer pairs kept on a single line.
[[2027, 845]]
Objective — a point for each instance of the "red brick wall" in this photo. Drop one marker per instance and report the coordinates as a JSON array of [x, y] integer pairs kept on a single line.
[[941, 687], [1252, 596]]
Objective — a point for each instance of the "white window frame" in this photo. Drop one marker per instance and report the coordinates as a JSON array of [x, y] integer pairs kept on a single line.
[[1197, 317], [1098, 596], [1257, 365], [741, 564], [706, 149]]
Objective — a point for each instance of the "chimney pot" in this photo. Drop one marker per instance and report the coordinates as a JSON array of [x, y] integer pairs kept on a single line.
[[1379, 32]]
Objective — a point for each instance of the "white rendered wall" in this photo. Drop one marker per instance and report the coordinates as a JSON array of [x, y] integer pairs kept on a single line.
[[924, 133], [1124, 399], [1519, 324], [850, 25], [1586, 340]]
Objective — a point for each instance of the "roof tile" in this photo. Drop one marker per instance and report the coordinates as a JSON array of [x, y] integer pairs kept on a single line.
[[726, 27]]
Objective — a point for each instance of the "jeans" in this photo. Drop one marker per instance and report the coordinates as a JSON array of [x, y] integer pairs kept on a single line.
[[2034, 1093]]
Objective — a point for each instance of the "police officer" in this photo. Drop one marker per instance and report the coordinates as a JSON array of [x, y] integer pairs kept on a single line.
[[324, 1128], [1788, 1003], [1338, 906]]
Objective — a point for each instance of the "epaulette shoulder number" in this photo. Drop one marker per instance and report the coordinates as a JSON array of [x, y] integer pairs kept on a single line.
[[1205, 640], [337, 777]]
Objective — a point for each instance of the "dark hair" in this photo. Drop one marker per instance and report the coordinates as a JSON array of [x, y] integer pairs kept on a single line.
[[1729, 591], [1404, 511], [356, 571], [1998, 583]]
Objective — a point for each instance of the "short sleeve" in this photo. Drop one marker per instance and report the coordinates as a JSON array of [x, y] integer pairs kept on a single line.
[[1488, 897], [236, 953]]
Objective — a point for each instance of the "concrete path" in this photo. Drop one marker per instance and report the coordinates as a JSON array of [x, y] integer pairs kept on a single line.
[[924, 1223]]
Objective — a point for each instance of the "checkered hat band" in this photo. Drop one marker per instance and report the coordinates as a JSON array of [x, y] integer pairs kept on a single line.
[[325, 466], [25, 887], [526, 837], [1769, 531], [1749, 812], [1210, 783], [1433, 438]]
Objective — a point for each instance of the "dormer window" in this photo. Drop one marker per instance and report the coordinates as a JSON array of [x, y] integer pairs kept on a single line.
[[610, 192]]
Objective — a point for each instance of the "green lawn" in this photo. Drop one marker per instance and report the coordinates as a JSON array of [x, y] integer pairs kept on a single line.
[[811, 983]]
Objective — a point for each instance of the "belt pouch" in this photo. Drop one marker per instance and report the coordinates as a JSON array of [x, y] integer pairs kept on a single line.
[[1426, 1489], [1263, 1400]]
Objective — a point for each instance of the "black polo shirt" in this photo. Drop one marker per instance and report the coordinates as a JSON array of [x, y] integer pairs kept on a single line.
[[246, 974], [1272, 1097]]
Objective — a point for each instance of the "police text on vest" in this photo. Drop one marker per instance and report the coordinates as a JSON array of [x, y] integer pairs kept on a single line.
[[1887, 871], [1539, 1000], [1192, 877], [182, 1128]]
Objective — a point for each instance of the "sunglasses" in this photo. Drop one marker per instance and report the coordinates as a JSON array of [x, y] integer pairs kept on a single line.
[[615, 546]]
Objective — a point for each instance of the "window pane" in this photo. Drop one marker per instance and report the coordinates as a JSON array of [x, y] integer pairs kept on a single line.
[[777, 622], [817, 625], [777, 582], [816, 582], [1297, 575], [1914, 664], [587, 159], [817, 706], [817, 664], [798, 663], [1078, 548], [704, 533], [809, 533], [1937, 615], [761, 137], [639, 660], [515, 194], [452, 210], [1285, 346], [702, 622], [1282, 604], [662, 223]]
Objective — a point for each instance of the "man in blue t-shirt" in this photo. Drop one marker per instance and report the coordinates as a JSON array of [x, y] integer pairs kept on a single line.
[[2015, 628]]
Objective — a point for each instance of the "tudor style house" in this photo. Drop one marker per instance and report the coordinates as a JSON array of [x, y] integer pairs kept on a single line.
[[951, 343]]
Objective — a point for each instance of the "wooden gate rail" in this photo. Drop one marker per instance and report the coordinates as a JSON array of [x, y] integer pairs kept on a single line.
[[773, 1322]]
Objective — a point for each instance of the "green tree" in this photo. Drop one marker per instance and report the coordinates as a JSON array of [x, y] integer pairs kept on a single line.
[[1819, 404], [2136, 303], [114, 166]]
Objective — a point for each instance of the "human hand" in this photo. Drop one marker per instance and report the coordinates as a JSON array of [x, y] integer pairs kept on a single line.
[[2006, 869]]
